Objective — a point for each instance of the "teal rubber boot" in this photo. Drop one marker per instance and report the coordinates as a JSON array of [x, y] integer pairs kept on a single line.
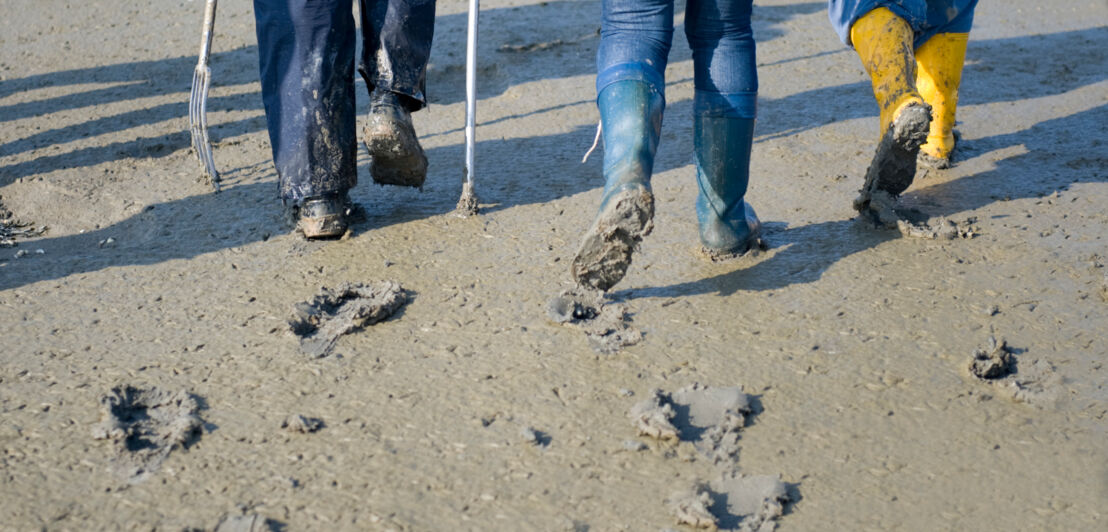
[[728, 225], [631, 119]]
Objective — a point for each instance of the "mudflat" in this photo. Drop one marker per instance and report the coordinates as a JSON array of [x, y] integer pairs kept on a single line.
[[471, 407]]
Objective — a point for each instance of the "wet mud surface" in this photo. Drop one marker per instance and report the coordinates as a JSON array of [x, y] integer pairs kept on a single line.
[[470, 408]]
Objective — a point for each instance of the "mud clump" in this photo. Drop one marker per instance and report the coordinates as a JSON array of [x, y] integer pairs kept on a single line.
[[145, 426], [993, 362], [1034, 382], [691, 508], [467, 203], [302, 424], [11, 228], [941, 229], [709, 417], [605, 324], [653, 417], [320, 322]]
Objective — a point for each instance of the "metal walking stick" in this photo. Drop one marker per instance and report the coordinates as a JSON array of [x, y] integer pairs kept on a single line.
[[467, 204], [198, 98]]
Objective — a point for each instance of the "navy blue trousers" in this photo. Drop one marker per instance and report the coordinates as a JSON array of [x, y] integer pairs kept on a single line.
[[306, 54], [927, 17]]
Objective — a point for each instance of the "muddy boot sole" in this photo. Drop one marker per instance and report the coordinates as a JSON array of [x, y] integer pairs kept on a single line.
[[397, 157], [605, 252], [894, 164]]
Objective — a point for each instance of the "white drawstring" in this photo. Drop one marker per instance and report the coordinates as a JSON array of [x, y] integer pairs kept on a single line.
[[595, 141]]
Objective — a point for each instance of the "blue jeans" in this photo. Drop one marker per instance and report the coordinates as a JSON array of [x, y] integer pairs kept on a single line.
[[635, 39], [927, 17], [306, 53]]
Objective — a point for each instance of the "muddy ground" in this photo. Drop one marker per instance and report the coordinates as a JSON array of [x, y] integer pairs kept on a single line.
[[470, 408]]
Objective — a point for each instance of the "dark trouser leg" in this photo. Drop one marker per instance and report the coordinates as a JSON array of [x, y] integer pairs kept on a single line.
[[397, 35], [306, 55]]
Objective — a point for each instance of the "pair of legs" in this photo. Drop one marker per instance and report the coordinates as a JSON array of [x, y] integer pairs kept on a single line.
[[636, 36], [913, 51], [306, 53]]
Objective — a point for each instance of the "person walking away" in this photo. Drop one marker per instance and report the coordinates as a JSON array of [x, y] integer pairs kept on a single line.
[[306, 57], [635, 40], [913, 51]]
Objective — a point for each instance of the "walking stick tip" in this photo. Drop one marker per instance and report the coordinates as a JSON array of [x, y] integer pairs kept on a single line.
[[467, 204]]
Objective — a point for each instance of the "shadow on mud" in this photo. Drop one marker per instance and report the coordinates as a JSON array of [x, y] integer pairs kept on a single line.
[[1060, 151], [508, 57]]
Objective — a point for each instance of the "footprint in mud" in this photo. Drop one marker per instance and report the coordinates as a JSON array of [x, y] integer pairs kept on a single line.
[[145, 426], [732, 502], [940, 229], [320, 322], [1034, 382], [884, 211], [247, 523], [709, 417], [605, 324], [712, 418]]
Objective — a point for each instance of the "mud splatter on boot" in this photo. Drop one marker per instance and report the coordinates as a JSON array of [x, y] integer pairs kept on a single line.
[[390, 138], [894, 164], [605, 252], [631, 114]]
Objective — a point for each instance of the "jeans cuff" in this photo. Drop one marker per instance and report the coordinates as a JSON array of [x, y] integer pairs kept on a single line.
[[729, 105], [631, 71]]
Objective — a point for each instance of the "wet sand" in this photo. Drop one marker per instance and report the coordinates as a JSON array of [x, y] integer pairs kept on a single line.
[[469, 408]]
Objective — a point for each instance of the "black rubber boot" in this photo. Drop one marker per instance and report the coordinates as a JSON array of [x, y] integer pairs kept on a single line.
[[397, 157], [324, 217]]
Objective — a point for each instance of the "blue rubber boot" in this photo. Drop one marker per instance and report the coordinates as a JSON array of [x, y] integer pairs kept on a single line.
[[728, 225], [631, 119]]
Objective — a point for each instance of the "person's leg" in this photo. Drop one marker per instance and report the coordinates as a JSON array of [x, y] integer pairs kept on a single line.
[[635, 39], [306, 56], [397, 37], [724, 109], [939, 63], [883, 41]]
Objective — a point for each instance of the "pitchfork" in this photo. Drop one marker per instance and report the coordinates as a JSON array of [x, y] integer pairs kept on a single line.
[[198, 98]]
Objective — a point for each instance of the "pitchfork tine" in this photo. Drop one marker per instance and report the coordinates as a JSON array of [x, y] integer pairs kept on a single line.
[[198, 98]]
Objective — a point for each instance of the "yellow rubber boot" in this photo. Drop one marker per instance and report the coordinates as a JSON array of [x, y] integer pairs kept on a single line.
[[938, 73], [883, 41]]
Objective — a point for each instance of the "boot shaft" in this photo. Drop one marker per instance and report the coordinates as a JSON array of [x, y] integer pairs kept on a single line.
[[939, 64], [883, 42], [726, 222], [631, 120]]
